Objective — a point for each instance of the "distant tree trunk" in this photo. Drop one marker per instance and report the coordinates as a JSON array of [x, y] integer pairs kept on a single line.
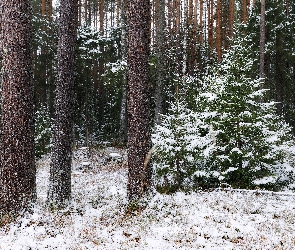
[[262, 40], [43, 8], [50, 10], [160, 47], [80, 12], [17, 171], [123, 111], [118, 11], [60, 168], [210, 23], [201, 21], [101, 63], [231, 18], [138, 104], [218, 30], [85, 10], [244, 13]]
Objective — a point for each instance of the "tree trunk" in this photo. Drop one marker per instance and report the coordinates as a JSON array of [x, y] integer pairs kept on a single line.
[[231, 18], [123, 111], [50, 11], [60, 169], [43, 8], [138, 103], [160, 46], [201, 21], [210, 23], [80, 12], [17, 171], [262, 40], [244, 14], [218, 31]]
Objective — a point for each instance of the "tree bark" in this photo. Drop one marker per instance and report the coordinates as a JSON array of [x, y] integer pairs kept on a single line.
[[17, 171], [60, 168], [138, 102]]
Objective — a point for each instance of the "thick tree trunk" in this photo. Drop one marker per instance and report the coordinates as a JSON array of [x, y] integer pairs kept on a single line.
[[138, 103], [60, 168], [17, 171]]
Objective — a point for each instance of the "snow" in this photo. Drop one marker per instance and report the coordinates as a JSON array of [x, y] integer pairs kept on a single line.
[[96, 218]]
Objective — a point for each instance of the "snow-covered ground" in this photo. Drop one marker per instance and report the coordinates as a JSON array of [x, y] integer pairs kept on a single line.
[[97, 219]]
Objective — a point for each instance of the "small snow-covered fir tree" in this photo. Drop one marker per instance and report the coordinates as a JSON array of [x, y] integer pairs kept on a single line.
[[233, 136], [182, 143], [249, 134]]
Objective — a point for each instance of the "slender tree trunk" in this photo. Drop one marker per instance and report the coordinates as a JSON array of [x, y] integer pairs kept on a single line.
[[138, 108], [85, 10], [244, 14], [17, 170], [118, 11], [262, 40], [50, 11], [231, 18], [160, 46], [43, 8], [60, 168], [218, 31], [123, 111], [80, 13], [201, 21], [210, 23], [101, 87]]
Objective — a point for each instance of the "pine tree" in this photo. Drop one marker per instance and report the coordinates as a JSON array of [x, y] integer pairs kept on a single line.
[[138, 103], [60, 169], [17, 171]]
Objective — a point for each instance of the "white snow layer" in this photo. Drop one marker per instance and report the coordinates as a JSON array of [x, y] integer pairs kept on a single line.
[[96, 219]]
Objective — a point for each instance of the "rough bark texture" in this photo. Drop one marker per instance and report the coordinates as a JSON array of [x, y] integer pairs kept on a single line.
[[17, 172], [138, 103], [60, 169]]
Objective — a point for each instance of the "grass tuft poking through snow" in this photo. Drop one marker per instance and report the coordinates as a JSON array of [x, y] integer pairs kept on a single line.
[[97, 219]]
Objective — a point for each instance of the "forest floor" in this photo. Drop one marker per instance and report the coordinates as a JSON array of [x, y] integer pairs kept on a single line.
[[97, 217]]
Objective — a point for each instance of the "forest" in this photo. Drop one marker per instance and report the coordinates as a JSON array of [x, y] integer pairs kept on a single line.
[[132, 124]]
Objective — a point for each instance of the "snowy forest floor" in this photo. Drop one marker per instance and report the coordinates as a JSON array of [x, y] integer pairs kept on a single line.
[[96, 219]]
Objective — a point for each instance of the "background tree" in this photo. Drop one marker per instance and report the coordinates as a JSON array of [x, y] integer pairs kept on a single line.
[[60, 169], [17, 172], [138, 103]]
